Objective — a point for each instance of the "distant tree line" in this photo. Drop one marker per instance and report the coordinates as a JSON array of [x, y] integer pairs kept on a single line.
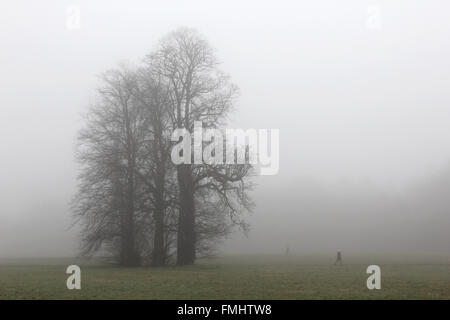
[[132, 200]]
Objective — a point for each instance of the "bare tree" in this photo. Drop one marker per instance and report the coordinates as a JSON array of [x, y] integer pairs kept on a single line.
[[132, 199], [156, 170], [198, 91], [108, 149]]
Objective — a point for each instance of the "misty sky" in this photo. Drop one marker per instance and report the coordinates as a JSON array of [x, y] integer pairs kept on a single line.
[[356, 106]]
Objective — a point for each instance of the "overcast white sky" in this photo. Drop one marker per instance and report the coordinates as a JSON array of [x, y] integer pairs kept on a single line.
[[352, 103]]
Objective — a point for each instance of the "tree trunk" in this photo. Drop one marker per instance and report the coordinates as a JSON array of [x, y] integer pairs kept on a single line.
[[159, 252], [129, 255], [186, 223]]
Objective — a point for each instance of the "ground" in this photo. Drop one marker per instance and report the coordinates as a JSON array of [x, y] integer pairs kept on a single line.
[[232, 277]]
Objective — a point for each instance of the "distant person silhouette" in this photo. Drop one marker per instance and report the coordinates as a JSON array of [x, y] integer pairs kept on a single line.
[[338, 258], [287, 250]]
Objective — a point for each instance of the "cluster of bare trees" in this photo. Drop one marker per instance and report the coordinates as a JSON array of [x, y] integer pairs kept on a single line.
[[133, 201]]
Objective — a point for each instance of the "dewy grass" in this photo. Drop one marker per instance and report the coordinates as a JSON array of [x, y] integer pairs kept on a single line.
[[232, 277]]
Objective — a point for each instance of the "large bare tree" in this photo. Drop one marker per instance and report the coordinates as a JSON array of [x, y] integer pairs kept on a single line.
[[133, 199], [109, 145], [156, 170], [199, 91]]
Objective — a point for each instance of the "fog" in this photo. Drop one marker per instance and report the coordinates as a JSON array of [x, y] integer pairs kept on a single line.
[[363, 109]]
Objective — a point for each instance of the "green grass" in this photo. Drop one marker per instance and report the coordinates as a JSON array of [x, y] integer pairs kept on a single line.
[[237, 277]]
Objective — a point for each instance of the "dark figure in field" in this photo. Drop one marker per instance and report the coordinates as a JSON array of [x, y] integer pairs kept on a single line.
[[287, 250], [338, 259]]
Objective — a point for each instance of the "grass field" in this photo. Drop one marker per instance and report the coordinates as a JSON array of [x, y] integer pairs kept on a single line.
[[233, 277]]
